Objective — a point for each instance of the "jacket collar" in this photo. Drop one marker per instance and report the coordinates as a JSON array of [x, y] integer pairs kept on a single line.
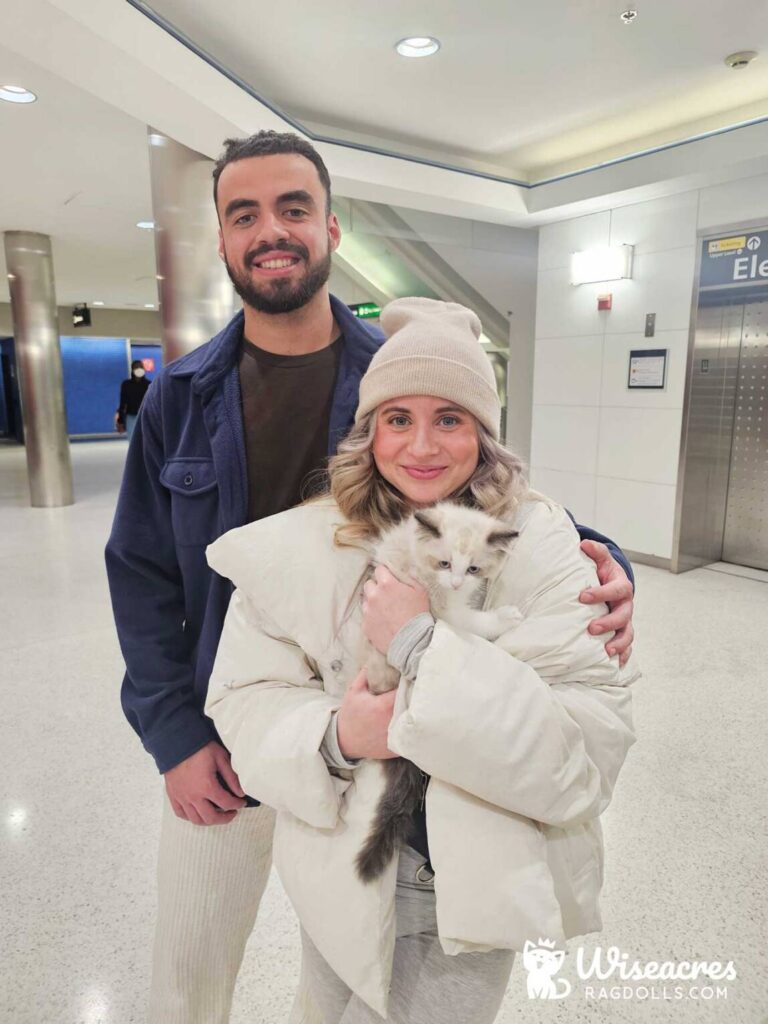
[[209, 363]]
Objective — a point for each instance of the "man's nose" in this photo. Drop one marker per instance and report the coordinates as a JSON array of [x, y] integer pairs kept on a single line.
[[272, 229]]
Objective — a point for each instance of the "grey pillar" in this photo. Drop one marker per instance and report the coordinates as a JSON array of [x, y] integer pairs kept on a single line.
[[196, 296], [38, 359]]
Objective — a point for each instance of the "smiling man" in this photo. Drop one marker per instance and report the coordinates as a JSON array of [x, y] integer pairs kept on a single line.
[[228, 434]]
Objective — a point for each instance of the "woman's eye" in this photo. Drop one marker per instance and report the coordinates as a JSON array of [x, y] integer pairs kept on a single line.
[[449, 421], [399, 421], [444, 565], [473, 570]]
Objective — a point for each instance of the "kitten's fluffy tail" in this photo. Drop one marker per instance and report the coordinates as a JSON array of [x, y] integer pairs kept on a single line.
[[393, 817]]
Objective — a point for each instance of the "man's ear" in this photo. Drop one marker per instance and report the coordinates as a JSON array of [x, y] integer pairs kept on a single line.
[[221, 246], [334, 232]]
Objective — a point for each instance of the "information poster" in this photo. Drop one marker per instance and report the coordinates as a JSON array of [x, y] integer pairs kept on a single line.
[[647, 368]]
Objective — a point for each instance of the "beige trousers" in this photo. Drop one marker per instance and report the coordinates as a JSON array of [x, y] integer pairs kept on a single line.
[[210, 883]]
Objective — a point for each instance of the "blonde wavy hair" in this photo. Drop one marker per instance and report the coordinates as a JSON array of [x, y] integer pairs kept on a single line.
[[370, 503]]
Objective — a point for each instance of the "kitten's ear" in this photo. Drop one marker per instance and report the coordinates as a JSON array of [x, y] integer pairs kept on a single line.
[[500, 538], [529, 945], [426, 521]]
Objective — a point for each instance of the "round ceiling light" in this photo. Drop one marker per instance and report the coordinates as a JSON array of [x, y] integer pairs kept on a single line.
[[739, 60], [418, 46], [16, 94], [145, 225]]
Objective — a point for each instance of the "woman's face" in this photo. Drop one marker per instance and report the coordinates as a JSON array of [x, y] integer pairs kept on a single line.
[[425, 447]]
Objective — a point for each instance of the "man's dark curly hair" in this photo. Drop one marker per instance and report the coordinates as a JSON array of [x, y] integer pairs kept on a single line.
[[270, 143]]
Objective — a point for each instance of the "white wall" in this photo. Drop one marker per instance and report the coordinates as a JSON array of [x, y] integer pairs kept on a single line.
[[609, 454]]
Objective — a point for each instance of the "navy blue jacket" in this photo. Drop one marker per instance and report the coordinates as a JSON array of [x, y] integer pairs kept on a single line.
[[184, 485]]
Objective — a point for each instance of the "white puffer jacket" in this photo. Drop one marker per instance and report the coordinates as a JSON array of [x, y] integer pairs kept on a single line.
[[523, 738]]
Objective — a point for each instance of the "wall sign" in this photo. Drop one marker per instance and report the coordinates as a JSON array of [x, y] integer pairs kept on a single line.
[[647, 368], [736, 261]]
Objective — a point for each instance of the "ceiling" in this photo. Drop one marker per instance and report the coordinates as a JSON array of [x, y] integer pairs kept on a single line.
[[526, 91], [75, 168], [521, 88]]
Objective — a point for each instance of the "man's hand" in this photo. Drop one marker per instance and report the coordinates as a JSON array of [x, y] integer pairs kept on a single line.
[[388, 604], [362, 721], [197, 795], [616, 592]]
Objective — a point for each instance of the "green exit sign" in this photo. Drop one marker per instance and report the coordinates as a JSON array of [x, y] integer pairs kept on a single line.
[[366, 310]]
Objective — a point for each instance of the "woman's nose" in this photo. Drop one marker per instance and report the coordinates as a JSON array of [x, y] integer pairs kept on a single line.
[[424, 443]]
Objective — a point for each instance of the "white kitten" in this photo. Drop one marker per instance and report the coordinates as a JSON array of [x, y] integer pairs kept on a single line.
[[452, 551]]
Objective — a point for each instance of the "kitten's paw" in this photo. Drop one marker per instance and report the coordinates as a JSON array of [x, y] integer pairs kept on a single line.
[[509, 616]]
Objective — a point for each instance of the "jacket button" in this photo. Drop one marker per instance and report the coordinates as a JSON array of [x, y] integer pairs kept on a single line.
[[188, 480], [336, 665]]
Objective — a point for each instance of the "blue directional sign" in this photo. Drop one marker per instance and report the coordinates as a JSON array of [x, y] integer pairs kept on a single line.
[[735, 261]]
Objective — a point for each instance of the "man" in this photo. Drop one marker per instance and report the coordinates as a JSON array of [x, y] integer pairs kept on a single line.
[[227, 434]]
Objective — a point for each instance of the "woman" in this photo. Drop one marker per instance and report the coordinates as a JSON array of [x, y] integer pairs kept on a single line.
[[522, 738], [132, 393]]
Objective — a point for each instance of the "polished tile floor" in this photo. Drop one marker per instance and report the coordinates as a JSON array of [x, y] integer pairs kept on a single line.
[[80, 801]]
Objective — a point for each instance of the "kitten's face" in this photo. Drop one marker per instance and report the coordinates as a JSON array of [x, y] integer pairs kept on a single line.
[[460, 556]]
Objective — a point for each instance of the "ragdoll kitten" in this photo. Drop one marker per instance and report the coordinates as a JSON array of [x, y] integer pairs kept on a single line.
[[452, 551]]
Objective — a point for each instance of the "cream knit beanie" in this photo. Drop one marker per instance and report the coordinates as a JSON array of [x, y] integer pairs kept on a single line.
[[432, 348]]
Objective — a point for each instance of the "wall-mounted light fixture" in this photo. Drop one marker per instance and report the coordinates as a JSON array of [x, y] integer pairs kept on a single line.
[[605, 263]]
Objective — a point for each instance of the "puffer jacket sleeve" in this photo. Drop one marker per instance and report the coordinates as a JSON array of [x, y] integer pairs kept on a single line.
[[538, 722], [271, 712]]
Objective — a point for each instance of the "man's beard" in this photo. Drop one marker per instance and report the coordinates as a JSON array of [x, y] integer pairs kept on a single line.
[[280, 295]]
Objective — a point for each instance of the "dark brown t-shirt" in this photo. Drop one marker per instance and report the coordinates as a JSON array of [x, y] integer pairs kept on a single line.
[[286, 404]]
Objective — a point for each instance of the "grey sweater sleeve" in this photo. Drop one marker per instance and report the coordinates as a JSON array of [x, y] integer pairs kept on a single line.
[[331, 750], [409, 643]]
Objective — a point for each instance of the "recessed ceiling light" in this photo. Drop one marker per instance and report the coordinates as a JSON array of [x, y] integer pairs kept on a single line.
[[739, 60], [628, 16], [145, 225], [156, 139], [16, 94], [96, 302], [418, 46]]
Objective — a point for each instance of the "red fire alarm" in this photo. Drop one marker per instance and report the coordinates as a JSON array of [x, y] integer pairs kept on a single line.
[[604, 301]]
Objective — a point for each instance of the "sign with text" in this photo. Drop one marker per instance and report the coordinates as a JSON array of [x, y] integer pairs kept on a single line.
[[647, 368], [735, 261]]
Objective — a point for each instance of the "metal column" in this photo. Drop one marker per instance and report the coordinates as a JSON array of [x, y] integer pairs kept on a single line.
[[38, 358], [196, 296]]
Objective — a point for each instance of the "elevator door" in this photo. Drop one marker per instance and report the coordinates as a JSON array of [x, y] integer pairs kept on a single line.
[[745, 540]]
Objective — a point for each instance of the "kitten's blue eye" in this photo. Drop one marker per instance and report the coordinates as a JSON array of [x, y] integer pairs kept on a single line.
[[444, 565], [473, 570]]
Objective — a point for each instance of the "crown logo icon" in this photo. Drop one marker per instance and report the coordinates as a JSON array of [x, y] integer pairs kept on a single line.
[[547, 943]]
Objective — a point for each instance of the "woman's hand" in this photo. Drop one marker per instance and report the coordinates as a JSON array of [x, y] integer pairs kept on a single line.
[[388, 604], [362, 721], [616, 591]]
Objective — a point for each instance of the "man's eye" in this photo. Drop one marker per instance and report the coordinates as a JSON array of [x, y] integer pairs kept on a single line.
[[245, 219], [444, 565], [296, 214]]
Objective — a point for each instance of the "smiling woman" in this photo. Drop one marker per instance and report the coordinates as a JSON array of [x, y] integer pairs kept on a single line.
[[511, 771]]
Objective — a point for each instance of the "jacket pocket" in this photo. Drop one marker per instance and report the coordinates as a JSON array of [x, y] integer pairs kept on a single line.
[[194, 499]]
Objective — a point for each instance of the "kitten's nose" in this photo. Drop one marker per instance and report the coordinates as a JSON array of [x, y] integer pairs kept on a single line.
[[456, 582]]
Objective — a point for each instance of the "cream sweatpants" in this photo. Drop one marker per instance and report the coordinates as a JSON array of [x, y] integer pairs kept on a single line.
[[210, 883]]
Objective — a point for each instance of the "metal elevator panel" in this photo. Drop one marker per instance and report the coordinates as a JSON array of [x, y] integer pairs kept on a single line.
[[745, 538]]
